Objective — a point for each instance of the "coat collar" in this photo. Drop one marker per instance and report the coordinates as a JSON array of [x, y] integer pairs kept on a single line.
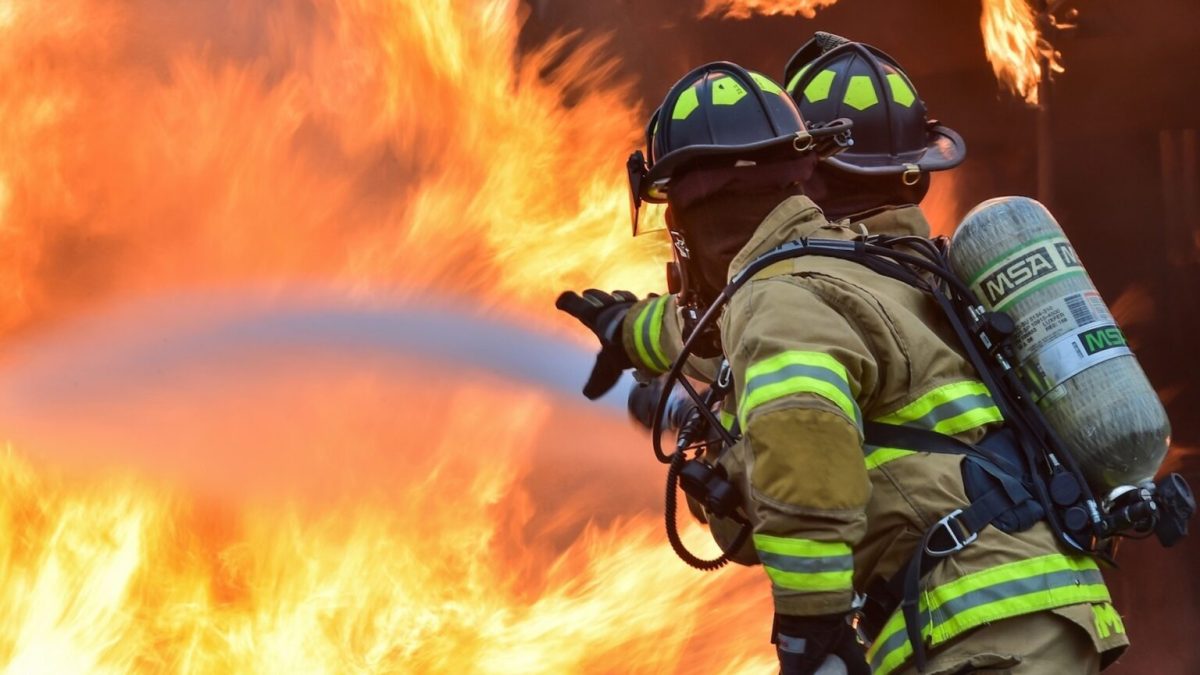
[[798, 217]]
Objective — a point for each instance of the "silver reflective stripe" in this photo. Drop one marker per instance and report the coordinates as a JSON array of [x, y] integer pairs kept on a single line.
[[791, 644], [1012, 589], [789, 563], [1007, 590], [951, 409], [648, 319], [800, 370], [797, 372]]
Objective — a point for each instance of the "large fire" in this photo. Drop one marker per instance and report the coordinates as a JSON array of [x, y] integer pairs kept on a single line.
[[308, 513], [378, 144], [1015, 47], [298, 511]]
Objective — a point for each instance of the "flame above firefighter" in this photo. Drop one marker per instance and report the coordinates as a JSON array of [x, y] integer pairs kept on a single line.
[[1020, 55]]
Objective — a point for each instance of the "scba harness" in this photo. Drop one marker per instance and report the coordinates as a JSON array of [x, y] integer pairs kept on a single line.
[[1015, 477]]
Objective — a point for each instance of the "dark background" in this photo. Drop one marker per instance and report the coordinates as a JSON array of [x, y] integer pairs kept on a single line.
[[1122, 144]]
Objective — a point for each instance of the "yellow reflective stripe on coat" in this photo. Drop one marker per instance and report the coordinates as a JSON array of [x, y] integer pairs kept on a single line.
[[949, 409], [798, 372], [647, 332], [804, 564], [1108, 621], [1000, 592], [877, 456], [727, 419]]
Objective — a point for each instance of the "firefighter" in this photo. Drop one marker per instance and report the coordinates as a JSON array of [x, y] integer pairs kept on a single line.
[[817, 346], [875, 186]]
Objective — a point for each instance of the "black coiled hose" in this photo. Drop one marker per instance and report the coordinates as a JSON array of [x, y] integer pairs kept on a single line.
[[676, 466]]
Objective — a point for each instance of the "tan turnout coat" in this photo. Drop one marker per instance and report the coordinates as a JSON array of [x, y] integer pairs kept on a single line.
[[816, 346]]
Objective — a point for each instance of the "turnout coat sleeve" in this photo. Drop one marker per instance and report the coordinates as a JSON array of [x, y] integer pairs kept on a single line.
[[653, 338], [800, 370]]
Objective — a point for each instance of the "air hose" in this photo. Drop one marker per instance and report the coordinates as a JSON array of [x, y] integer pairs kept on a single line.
[[678, 461], [924, 267]]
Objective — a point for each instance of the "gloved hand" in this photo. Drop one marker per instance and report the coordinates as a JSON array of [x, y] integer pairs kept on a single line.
[[808, 645], [603, 314]]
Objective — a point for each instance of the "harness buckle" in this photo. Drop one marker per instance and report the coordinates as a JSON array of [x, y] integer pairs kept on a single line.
[[959, 542]]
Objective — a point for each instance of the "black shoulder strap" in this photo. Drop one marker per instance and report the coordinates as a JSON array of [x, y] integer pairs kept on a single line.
[[913, 438]]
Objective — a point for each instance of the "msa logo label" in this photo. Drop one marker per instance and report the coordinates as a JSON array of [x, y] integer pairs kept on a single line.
[[1003, 282], [1066, 254], [1018, 273], [1102, 338]]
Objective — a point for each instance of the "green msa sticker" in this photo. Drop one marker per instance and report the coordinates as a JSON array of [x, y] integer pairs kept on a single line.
[[1099, 339]]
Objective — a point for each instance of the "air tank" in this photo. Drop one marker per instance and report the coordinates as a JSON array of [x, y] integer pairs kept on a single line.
[[1070, 351]]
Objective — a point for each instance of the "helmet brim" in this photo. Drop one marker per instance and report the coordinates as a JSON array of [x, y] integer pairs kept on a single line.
[[944, 150], [794, 146]]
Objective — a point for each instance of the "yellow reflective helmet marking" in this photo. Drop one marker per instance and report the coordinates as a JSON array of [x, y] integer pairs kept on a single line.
[[860, 93], [726, 91], [686, 104], [766, 84], [791, 87], [818, 89], [901, 92]]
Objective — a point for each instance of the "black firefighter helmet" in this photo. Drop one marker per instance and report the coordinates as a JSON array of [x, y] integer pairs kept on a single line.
[[831, 77], [722, 114]]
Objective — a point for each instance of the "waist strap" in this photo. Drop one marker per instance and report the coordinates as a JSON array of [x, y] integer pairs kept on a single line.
[[949, 535]]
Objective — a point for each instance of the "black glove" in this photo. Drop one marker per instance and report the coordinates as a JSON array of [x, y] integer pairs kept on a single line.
[[803, 643], [603, 314]]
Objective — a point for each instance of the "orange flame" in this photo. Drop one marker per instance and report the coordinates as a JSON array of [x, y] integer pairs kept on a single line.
[[1015, 48], [379, 144], [223, 500], [397, 145], [1011, 39], [744, 9], [443, 565]]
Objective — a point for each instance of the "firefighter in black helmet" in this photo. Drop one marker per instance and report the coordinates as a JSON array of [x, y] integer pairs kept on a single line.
[[1015, 617], [716, 118], [896, 144], [816, 348], [729, 153]]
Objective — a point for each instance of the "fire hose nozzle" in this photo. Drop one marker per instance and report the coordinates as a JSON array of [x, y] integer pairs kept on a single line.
[[643, 400]]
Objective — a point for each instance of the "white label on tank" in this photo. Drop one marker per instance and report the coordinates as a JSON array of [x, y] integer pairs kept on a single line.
[[1024, 269], [1071, 354], [1056, 318]]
